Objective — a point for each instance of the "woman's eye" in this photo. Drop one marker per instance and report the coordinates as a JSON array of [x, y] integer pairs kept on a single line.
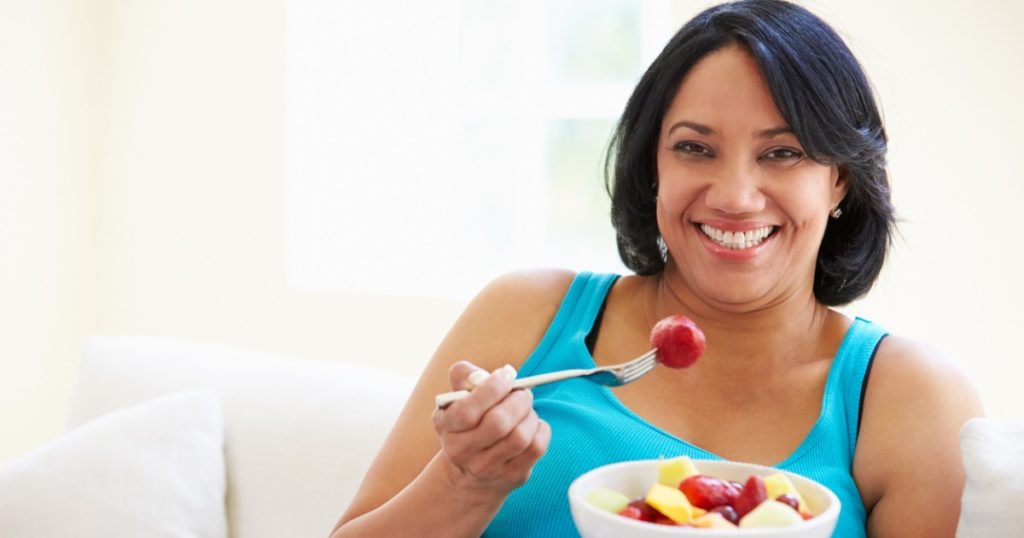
[[692, 148], [784, 155]]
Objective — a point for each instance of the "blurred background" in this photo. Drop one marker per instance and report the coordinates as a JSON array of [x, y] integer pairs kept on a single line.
[[334, 179]]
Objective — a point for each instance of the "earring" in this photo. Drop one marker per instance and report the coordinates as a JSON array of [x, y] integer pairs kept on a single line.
[[836, 212]]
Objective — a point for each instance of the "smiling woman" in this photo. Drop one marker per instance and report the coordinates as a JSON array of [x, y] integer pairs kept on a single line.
[[749, 194], [749, 176], [826, 112]]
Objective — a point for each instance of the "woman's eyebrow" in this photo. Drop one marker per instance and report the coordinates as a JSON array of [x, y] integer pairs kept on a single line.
[[701, 129], [775, 131], [706, 131]]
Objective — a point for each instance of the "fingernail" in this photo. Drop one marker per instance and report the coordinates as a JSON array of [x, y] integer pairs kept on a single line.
[[477, 377], [507, 372]]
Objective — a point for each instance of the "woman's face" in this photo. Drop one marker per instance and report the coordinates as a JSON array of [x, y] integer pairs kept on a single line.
[[741, 208]]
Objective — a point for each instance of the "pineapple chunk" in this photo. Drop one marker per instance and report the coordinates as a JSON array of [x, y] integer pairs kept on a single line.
[[778, 484], [672, 472], [671, 502], [713, 520]]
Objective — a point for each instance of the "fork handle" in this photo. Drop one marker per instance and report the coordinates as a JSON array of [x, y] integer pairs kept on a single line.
[[446, 399]]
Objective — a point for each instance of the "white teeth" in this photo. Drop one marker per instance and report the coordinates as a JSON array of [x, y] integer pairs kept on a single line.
[[736, 240]]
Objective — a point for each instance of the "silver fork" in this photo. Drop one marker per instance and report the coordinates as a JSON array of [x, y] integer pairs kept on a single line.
[[609, 376]]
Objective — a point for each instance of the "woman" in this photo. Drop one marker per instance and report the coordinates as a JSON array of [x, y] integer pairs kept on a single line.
[[750, 194]]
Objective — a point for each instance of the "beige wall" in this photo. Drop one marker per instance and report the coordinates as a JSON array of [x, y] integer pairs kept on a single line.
[[192, 222], [144, 194], [47, 166], [142, 148]]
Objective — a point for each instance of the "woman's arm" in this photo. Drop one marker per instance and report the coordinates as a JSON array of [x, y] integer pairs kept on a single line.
[[908, 464], [490, 442], [447, 473]]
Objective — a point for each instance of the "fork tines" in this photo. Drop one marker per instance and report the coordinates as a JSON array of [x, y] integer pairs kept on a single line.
[[639, 366]]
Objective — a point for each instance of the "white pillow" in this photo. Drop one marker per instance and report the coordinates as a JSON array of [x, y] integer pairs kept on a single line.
[[152, 470], [993, 501], [299, 434]]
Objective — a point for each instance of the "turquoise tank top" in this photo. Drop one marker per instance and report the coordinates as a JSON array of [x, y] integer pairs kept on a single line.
[[590, 427]]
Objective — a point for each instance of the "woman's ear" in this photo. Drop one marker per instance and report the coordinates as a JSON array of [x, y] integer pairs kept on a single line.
[[841, 184]]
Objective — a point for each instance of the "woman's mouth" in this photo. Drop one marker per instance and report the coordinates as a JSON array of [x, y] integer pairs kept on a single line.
[[736, 240]]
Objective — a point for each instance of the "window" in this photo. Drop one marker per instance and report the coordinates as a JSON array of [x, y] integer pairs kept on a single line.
[[434, 145]]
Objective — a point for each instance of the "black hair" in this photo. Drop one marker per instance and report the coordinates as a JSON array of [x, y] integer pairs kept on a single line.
[[821, 91]]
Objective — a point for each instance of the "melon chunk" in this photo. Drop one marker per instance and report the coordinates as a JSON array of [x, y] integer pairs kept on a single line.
[[608, 499], [771, 514]]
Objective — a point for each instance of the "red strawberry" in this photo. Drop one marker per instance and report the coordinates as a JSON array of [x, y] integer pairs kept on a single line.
[[708, 492], [679, 341], [753, 493]]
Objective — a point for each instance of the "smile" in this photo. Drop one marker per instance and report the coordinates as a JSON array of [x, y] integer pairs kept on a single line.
[[737, 240]]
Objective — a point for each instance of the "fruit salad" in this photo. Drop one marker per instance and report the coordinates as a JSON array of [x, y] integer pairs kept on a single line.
[[683, 496], [678, 341]]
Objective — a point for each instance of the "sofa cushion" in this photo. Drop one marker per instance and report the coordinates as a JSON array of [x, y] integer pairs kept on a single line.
[[993, 456], [299, 433], [154, 470]]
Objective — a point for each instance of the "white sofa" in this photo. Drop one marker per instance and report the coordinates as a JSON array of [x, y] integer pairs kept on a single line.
[[274, 446], [297, 437]]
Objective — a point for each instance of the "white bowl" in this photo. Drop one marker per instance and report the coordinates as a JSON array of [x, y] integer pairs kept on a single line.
[[634, 478]]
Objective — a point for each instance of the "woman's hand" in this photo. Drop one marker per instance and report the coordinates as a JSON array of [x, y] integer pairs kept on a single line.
[[492, 438]]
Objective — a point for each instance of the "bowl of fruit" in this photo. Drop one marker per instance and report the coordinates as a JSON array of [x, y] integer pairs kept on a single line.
[[683, 497]]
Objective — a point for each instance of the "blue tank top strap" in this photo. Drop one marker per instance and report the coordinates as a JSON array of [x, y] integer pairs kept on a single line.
[[572, 322], [852, 361]]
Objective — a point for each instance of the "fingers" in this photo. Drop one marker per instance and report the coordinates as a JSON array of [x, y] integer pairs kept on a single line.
[[461, 372], [493, 436], [516, 454], [537, 447], [502, 421], [518, 438], [505, 430], [467, 413], [465, 375], [475, 379]]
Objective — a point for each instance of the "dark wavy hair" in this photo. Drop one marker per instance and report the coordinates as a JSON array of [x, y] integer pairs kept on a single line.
[[822, 93]]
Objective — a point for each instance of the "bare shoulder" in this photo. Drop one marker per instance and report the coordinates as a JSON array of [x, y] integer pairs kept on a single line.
[[907, 463], [908, 374], [507, 318], [916, 362], [910, 377]]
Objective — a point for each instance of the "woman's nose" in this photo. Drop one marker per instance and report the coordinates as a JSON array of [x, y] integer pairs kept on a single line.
[[735, 190]]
